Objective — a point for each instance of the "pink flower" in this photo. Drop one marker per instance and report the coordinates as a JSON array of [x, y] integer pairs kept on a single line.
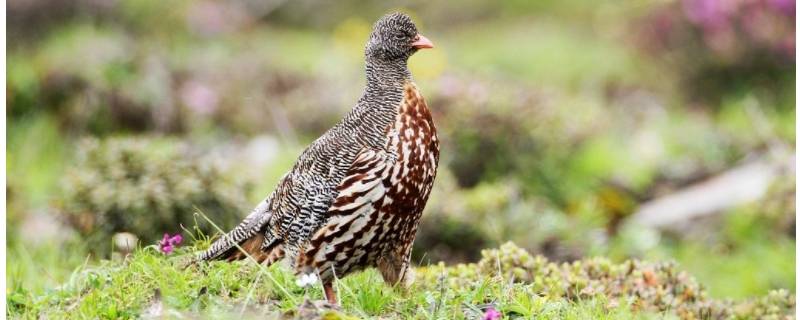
[[169, 242], [492, 314]]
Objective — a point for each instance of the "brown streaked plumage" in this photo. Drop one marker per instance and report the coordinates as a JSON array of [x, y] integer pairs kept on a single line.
[[355, 196]]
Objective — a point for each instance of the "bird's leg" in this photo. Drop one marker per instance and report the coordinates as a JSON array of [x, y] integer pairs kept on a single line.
[[330, 294]]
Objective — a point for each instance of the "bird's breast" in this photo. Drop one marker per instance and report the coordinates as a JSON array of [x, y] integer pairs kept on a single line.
[[415, 145]]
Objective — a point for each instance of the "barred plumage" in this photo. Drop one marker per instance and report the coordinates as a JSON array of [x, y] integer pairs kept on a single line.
[[354, 197]]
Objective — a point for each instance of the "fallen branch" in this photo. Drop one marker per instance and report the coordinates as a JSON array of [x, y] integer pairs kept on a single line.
[[740, 185]]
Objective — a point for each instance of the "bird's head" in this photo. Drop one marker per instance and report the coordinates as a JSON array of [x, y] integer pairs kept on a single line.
[[395, 38]]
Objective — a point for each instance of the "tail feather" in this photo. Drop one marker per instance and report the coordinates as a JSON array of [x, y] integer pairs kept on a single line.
[[249, 232], [254, 247]]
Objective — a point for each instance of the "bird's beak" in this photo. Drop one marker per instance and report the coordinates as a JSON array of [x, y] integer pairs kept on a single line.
[[420, 42]]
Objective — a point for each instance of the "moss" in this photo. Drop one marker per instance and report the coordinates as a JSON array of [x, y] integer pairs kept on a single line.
[[648, 287]]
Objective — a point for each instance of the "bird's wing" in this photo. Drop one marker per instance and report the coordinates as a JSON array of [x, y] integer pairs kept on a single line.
[[361, 177], [362, 183], [299, 205], [360, 194]]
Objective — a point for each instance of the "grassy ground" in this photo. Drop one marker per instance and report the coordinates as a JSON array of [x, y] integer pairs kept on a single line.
[[148, 283]]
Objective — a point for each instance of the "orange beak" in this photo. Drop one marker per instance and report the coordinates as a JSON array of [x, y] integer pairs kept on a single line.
[[420, 42]]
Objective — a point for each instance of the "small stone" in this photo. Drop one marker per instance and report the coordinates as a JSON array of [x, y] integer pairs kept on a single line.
[[125, 242]]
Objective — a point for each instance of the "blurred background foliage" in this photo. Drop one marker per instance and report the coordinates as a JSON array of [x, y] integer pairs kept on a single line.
[[560, 121]]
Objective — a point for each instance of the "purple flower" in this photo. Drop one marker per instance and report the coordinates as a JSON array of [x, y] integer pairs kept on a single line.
[[169, 242], [492, 314]]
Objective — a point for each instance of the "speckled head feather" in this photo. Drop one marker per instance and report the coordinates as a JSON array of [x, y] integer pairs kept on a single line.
[[392, 38]]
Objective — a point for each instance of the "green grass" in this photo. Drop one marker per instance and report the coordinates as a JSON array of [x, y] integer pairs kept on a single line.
[[754, 268], [126, 289], [37, 269], [751, 256], [129, 288]]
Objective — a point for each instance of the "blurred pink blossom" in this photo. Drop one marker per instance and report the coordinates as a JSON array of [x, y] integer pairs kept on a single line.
[[199, 97], [168, 243], [492, 314], [730, 27]]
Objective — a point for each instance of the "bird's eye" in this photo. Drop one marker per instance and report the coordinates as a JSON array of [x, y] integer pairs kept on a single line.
[[399, 36]]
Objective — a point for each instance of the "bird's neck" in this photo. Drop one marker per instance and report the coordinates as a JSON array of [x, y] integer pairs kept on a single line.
[[382, 97], [387, 74]]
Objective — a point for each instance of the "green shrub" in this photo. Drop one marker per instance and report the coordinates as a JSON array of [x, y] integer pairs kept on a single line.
[[146, 187]]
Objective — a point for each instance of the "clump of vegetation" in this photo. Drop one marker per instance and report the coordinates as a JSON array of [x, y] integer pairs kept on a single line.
[[653, 287], [145, 187]]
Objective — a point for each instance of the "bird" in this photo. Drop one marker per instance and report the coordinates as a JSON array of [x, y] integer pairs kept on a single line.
[[354, 198]]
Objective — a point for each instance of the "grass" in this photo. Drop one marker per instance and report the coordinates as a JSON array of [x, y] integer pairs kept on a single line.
[[754, 268], [147, 280], [126, 289], [36, 269]]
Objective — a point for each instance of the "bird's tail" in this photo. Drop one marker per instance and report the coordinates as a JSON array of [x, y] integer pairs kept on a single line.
[[248, 236]]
